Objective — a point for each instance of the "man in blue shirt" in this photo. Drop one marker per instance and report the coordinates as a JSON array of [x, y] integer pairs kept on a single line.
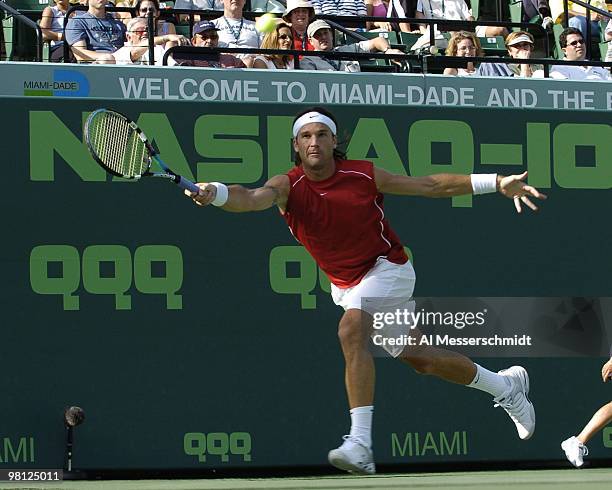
[[95, 34]]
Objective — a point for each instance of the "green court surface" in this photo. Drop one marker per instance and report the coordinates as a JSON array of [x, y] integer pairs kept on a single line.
[[588, 479]]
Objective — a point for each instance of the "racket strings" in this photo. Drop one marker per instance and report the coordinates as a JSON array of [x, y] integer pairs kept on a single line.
[[119, 145]]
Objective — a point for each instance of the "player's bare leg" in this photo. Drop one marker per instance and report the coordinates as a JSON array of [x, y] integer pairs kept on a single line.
[[600, 419], [354, 334], [355, 454], [509, 387], [575, 447], [448, 365]]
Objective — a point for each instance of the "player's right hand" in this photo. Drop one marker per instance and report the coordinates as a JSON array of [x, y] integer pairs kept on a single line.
[[606, 370], [205, 196]]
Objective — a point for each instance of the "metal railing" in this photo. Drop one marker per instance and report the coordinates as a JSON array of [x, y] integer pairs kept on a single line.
[[447, 25], [20, 17], [426, 62], [589, 8]]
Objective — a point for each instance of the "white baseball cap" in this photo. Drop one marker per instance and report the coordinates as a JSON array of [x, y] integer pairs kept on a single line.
[[316, 26], [523, 38]]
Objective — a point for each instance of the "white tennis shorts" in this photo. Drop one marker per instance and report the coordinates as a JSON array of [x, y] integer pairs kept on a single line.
[[387, 287]]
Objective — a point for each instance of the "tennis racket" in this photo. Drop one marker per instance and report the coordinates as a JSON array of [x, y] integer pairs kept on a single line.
[[122, 149]]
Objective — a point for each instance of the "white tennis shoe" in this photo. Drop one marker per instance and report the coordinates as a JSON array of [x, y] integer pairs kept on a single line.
[[575, 451], [516, 401], [353, 456]]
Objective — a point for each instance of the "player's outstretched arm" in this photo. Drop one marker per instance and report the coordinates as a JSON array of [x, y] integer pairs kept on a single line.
[[239, 199], [448, 185]]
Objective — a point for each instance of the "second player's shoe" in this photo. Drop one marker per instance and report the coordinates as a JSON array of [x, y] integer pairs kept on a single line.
[[575, 451], [516, 401], [353, 456]]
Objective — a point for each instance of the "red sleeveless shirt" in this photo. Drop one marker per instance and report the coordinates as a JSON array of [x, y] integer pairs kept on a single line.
[[341, 221]]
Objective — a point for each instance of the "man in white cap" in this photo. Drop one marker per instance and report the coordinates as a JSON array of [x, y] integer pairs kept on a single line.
[[334, 207], [298, 15], [136, 49], [520, 46], [322, 38]]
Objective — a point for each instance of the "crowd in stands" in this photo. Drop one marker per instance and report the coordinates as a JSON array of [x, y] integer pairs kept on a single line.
[[102, 37]]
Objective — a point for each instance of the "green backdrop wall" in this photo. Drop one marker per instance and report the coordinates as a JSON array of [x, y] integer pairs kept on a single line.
[[195, 338]]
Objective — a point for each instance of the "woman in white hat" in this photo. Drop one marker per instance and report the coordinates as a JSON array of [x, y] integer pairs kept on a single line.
[[299, 14]]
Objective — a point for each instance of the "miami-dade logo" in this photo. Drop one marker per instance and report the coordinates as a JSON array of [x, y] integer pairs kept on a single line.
[[65, 83]]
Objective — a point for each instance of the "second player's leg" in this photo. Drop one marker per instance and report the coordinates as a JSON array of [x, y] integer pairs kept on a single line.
[[600, 419]]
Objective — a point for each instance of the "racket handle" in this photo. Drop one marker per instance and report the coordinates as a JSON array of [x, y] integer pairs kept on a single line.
[[184, 183]]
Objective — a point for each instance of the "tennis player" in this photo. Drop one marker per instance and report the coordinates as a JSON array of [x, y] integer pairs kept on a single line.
[[334, 208], [575, 447]]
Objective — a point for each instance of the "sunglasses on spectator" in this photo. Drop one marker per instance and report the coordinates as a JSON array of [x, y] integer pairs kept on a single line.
[[147, 10], [285, 36], [577, 42]]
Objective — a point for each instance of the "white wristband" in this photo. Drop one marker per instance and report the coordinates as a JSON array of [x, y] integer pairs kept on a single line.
[[484, 183], [222, 194]]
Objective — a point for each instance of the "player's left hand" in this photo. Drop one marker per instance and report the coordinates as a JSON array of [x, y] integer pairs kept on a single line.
[[514, 187]]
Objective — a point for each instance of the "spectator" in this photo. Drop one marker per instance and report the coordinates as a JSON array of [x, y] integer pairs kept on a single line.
[[487, 11], [577, 15], [299, 14], [2, 44], [572, 44], [237, 32], [280, 38], [205, 35], [136, 49], [199, 4], [52, 26], [402, 9], [234, 30], [463, 43], [322, 38], [609, 39], [273, 6], [162, 28], [535, 8], [340, 7], [94, 35], [520, 46], [124, 16], [442, 9], [378, 8], [455, 10]]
